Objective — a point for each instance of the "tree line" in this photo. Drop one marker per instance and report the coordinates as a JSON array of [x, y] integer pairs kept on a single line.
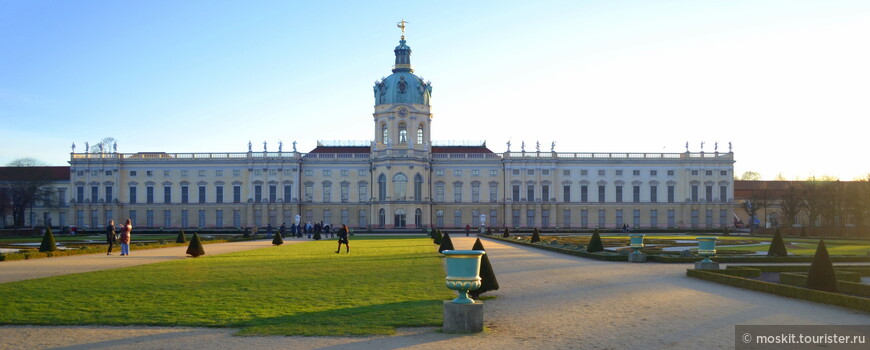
[[814, 203]]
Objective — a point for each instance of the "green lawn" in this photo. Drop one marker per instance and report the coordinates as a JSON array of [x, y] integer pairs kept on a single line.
[[298, 289]]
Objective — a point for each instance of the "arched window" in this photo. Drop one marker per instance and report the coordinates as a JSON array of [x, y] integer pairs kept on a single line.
[[418, 218], [400, 183], [403, 133], [382, 187], [384, 135], [382, 218], [399, 218], [420, 135], [418, 187]]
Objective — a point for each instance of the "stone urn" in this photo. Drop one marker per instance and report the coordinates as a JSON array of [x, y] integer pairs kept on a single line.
[[706, 249], [463, 269], [636, 243]]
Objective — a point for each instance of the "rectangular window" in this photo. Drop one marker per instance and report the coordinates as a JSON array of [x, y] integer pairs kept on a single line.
[[653, 172], [309, 192], [345, 173], [566, 193], [602, 218], [132, 173], [258, 172], [723, 194], [530, 218], [530, 193], [61, 198], [515, 172], [149, 173], [530, 172], [237, 194], [671, 196], [694, 193], [545, 171], [708, 193], [584, 218], [670, 173], [308, 172], [515, 217], [493, 217], [184, 194], [258, 193], [584, 194], [219, 218], [515, 192], [457, 173], [723, 218], [654, 218], [545, 193], [363, 193], [95, 191], [723, 172], [288, 193], [584, 172], [167, 218], [273, 172], [109, 194], [475, 193], [345, 217], [475, 172], [167, 173], [201, 194], [327, 173], [167, 194], [237, 172], [273, 193], [601, 194], [219, 173], [132, 194], [635, 194], [708, 218], [566, 217], [671, 218], [363, 218], [601, 172], [184, 173], [133, 218], [201, 218], [619, 218], [184, 222], [566, 172], [457, 193], [219, 194], [635, 172], [237, 218], [636, 218], [202, 173], [708, 172], [696, 220], [149, 218], [653, 194], [80, 194], [694, 172], [619, 173], [493, 192], [327, 193], [457, 218], [618, 194], [149, 194], [493, 173], [439, 172], [362, 172]]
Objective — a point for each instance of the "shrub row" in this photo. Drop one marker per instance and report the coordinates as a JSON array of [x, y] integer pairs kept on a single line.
[[91, 250], [847, 301], [562, 249], [847, 282]]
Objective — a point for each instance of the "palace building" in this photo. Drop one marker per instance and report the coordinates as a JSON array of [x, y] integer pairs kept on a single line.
[[400, 180]]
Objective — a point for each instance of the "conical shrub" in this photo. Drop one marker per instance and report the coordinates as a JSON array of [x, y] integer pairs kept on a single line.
[[181, 238], [278, 240], [446, 243], [595, 244], [436, 236], [821, 275], [195, 248], [48, 244], [536, 236], [488, 281], [777, 246], [507, 233]]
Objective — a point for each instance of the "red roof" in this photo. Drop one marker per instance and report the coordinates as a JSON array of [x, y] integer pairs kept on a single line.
[[460, 149], [342, 149], [48, 173]]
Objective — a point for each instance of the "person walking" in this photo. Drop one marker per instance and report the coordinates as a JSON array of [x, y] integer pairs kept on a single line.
[[282, 230], [111, 237], [342, 238], [126, 230], [269, 230], [467, 230]]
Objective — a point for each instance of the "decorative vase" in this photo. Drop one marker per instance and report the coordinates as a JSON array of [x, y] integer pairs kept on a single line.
[[706, 248], [636, 242], [463, 268]]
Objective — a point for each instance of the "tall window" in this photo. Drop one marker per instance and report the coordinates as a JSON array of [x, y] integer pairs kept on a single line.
[[619, 218], [149, 194], [694, 193], [566, 193], [493, 192], [184, 222], [418, 187], [584, 218], [149, 218], [109, 194], [439, 192], [258, 193], [403, 133], [400, 184], [515, 193], [95, 191], [345, 193], [167, 194], [636, 218], [327, 192], [219, 194], [530, 218], [418, 218], [457, 192], [584, 194], [133, 217], [399, 218], [635, 194], [515, 217], [309, 192], [545, 218], [653, 193], [475, 192], [382, 218], [167, 218], [545, 193], [602, 218], [288, 193], [363, 192], [237, 195], [654, 218], [201, 195], [530, 193], [384, 134], [618, 194], [132, 195], [80, 195], [201, 218], [671, 218], [601, 194], [184, 194], [723, 194], [671, 197], [219, 218], [708, 193], [382, 187], [420, 135], [237, 218], [363, 218], [273, 193], [457, 218]]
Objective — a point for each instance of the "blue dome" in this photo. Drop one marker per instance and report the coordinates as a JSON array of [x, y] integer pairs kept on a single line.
[[402, 86]]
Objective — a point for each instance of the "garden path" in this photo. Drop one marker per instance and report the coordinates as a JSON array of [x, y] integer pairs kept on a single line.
[[547, 300]]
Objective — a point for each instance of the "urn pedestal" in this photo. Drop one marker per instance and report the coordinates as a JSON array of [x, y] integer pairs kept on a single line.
[[636, 245], [463, 314]]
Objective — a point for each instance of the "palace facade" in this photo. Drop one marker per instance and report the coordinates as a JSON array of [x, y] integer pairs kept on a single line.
[[400, 180]]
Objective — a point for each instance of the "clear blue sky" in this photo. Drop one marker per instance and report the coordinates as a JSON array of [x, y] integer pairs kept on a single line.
[[787, 82]]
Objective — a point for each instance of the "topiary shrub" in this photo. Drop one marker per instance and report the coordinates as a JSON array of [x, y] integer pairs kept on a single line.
[[488, 281], [446, 243], [536, 236], [821, 275], [181, 238], [595, 244], [436, 236], [507, 233], [777, 246], [48, 244], [195, 248], [278, 240]]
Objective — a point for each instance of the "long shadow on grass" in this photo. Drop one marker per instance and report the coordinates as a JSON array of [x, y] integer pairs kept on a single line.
[[382, 319]]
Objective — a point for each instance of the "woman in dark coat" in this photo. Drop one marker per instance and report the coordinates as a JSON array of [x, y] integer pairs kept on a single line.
[[110, 236], [342, 238]]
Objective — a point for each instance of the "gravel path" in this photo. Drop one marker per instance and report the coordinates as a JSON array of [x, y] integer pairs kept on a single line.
[[547, 301]]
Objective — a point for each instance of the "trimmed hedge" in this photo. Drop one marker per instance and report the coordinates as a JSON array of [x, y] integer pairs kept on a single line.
[[847, 282], [90, 250], [562, 249], [847, 301]]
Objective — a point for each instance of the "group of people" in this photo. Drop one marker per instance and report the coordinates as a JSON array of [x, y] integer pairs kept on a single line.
[[123, 237]]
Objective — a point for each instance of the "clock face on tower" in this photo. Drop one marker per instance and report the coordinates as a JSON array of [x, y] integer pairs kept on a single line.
[[402, 112]]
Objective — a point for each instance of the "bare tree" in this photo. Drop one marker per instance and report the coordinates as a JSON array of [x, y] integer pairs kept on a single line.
[[24, 185], [750, 176], [791, 203], [812, 199]]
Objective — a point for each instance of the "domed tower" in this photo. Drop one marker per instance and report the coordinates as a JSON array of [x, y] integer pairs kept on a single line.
[[402, 114]]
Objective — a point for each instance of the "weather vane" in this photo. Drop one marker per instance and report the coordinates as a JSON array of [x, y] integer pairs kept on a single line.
[[402, 25]]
